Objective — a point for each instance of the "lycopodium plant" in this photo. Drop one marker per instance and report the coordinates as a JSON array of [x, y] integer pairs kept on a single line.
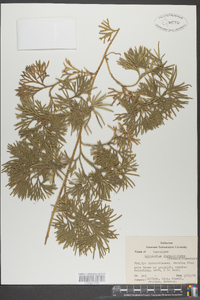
[[81, 215]]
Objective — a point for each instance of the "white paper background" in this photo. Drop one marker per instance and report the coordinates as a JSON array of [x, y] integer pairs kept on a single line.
[[164, 201]]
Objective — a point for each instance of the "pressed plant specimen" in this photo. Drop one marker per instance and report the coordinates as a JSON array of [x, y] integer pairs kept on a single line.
[[82, 217]]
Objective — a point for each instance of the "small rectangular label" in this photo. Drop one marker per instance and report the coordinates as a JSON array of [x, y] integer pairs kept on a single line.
[[38, 34], [161, 260], [92, 278]]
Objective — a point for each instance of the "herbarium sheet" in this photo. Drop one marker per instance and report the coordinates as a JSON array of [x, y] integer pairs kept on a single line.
[[99, 144]]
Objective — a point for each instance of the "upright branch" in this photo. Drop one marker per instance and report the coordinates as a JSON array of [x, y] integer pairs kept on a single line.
[[81, 217], [64, 183], [109, 33]]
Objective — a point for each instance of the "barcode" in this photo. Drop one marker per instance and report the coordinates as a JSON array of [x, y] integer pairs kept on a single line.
[[92, 278]]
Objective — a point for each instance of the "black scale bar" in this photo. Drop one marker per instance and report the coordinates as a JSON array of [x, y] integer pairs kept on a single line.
[[150, 290]]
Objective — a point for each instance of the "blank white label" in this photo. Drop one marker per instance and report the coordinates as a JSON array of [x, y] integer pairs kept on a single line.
[[38, 34]]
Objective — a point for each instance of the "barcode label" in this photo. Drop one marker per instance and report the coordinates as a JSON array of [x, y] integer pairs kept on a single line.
[[92, 278]]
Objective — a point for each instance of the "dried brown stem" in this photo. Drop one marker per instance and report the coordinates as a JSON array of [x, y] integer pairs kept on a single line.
[[64, 183], [77, 142], [104, 56]]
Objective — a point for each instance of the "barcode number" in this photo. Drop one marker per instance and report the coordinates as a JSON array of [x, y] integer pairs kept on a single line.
[[92, 278]]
